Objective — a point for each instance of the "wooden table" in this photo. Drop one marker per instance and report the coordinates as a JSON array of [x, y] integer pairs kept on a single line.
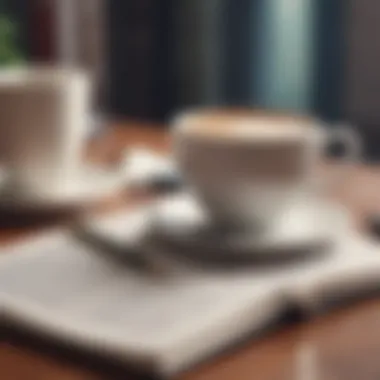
[[347, 341]]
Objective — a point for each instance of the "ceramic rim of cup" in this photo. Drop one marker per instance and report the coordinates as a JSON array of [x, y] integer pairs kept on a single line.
[[182, 124]]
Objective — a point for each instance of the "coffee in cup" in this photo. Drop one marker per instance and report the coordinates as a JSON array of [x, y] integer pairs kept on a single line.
[[247, 167]]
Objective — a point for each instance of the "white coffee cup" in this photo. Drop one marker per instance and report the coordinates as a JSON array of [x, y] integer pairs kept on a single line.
[[43, 126], [247, 168]]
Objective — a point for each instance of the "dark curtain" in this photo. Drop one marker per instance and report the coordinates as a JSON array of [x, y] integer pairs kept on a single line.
[[169, 54], [330, 59], [139, 59]]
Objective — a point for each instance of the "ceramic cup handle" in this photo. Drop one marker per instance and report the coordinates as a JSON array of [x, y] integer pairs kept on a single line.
[[349, 139]]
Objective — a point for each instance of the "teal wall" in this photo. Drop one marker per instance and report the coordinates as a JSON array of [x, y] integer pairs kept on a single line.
[[284, 67]]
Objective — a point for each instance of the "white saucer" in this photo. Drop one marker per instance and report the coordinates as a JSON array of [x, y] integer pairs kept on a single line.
[[91, 184], [309, 225]]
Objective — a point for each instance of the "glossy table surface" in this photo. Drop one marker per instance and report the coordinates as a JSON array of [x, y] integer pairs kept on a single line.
[[345, 344]]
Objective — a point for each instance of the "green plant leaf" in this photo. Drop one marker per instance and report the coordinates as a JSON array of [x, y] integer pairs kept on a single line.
[[9, 51]]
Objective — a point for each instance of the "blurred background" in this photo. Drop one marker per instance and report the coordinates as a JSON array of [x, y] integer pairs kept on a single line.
[[150, 58]]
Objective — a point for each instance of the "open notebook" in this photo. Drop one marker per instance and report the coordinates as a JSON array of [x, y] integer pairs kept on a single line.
[[162, 323]]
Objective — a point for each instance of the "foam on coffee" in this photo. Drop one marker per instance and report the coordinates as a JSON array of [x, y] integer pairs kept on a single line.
[[245, 126]]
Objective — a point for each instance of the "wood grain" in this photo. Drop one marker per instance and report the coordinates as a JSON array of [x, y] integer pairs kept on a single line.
[[345, 344]]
